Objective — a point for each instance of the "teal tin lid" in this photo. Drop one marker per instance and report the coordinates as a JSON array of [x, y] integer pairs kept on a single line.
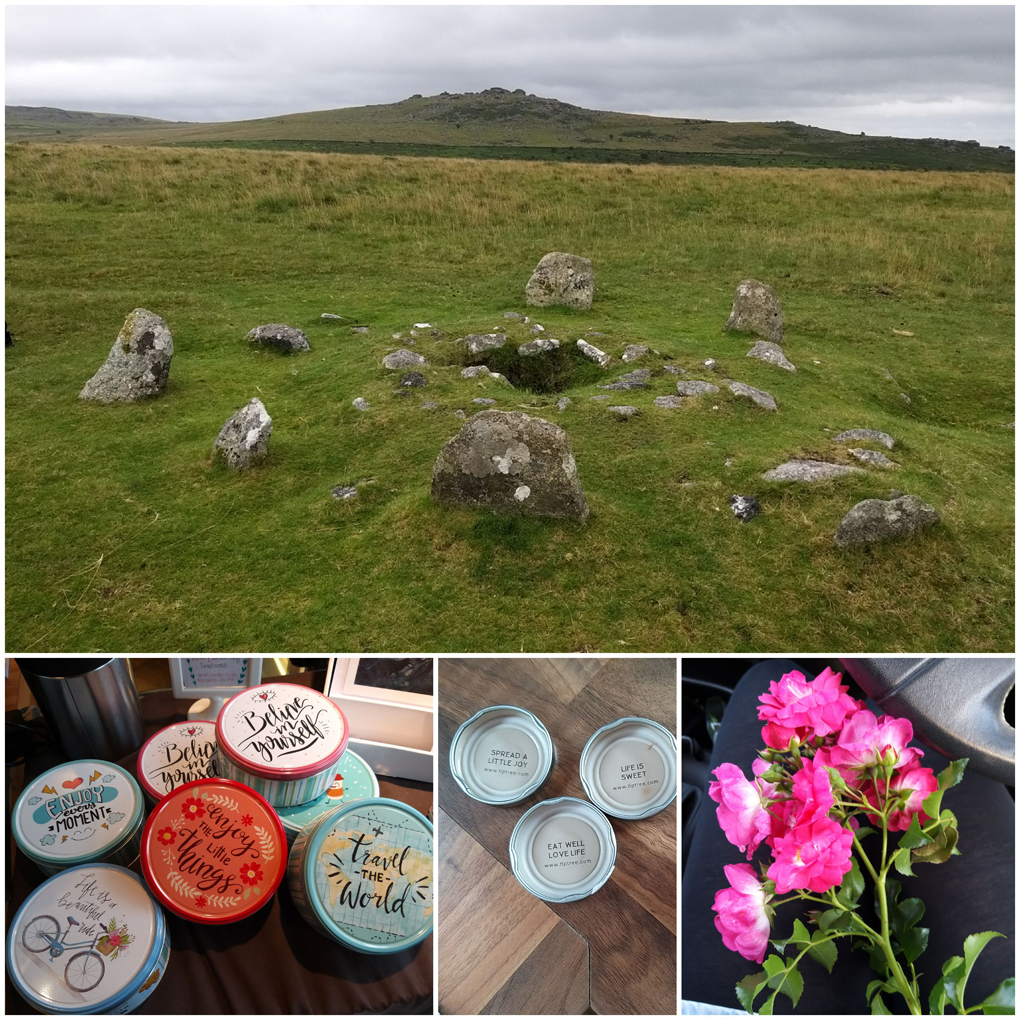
[[77, 812], [366, 869], [86, 941], [352, 780]]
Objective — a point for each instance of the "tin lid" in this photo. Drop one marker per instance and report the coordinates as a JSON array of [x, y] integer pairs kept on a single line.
[[563, 849], [353, 780], [501, 755], [85, 941], [367, 874], [281, 731], [213, 851], [175, 755], [628, 768], [77, 812]]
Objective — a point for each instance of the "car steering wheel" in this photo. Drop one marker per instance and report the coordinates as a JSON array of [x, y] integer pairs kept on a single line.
[[955, 705]]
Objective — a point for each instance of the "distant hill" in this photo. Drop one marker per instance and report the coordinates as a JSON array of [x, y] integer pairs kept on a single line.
[[504, 124]]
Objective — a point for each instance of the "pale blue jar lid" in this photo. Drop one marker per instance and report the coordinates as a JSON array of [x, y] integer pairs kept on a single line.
[[367, 874], [352, 780]]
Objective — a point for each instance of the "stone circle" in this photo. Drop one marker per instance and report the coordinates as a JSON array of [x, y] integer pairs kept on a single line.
[[561, 279], [756, 309], [138, 365]]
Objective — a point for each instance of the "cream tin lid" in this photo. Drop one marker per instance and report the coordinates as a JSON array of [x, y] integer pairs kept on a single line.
[[563, 850], [85, 941], [501, 755], [77, 812], [176, 755], [282, 731], [628, 768]]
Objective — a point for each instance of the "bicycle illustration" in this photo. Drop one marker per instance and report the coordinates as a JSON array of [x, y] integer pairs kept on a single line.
[[84, 970]]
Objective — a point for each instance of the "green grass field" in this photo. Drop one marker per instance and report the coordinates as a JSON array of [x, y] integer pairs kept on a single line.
[[121, 534]]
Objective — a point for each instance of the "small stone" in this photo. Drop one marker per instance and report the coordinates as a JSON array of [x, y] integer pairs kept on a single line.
[[138, 365], [766, 350], [594, 332], [1009, 425], [459, 413], [414, 333], [330, 315], [403, 359], [873, 457], [516, 316], [590, 351], [808, 471], [343, 491], [539, 346], [478, 342], [537, 328], [756, 309], [623, 410], [359, 329], [728, 462], [634, 352], [396, 336], [360, 404], [474, 371], [694, 387], [486, 401], [423, 325], [894, 494], [402, 393], [856, 435], [745, 508], [561, 279], [436, 334], [429, 405], [876, 520], [276, 334], [673, 370], [414, 379], [636, 380], [669, 402], [760, 397], [244, 439], [563, 403], [905, 398], [601, 396], [710, 364], [887, 375]]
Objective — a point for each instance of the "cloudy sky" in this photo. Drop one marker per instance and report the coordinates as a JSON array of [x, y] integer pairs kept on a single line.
[[910, 71]]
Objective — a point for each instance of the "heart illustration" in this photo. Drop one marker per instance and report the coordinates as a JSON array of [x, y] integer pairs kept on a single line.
[[71, 784]]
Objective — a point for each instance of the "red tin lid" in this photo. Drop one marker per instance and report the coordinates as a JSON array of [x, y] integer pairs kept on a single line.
[[282, 731], [213, 851]]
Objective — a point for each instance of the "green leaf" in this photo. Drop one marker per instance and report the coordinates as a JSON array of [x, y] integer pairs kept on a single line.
[[766, 1007], [823, 952], [937, 998], [972, 947], [948, 777], [878, 1006], [879, 964], [906, 914], [749, 987], [901, 861], [952, 971], [773, 967], [939, 850], [913, 837], [1002, 1000], [800, 933], [865, 830], [785, 978], [837, 781], [914, 942], [876, 985], [834, 920], [852, 887]]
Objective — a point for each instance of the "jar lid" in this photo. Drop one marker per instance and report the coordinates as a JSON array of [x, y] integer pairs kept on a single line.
[[85, 941], [501, 755], [213, 851], [367, 873], [175, 755], [628, 768], [353, 780], [281, 731], [563, 849], [77, 812]]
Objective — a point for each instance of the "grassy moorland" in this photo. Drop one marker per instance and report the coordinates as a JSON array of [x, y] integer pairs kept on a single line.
[[121, 534]]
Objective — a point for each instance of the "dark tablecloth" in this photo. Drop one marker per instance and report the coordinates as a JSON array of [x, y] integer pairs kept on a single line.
[[271, 962]]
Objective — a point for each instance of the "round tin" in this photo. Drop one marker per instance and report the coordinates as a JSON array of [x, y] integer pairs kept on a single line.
[[563, 850], [213, 851], [88, 940], [80, 812], [352, 780], [362, 875], [175, 755], [282, 740], [628, 768], [501, 755]]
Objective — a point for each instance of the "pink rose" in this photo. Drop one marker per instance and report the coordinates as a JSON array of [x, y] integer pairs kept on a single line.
[[741, 812], [814, 856], [796, 708], [908, 789], [823, 759], [865, 741], [812, 792], [741, 915]]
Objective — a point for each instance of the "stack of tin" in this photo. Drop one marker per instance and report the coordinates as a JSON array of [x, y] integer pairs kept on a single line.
[[564, 849]]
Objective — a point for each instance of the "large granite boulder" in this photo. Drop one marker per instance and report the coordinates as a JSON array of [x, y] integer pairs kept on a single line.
[[877, 520], [561, 279], [244, 439], [756, 309], [276, 334], [138, 364], [478, 342], [512, 463]]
